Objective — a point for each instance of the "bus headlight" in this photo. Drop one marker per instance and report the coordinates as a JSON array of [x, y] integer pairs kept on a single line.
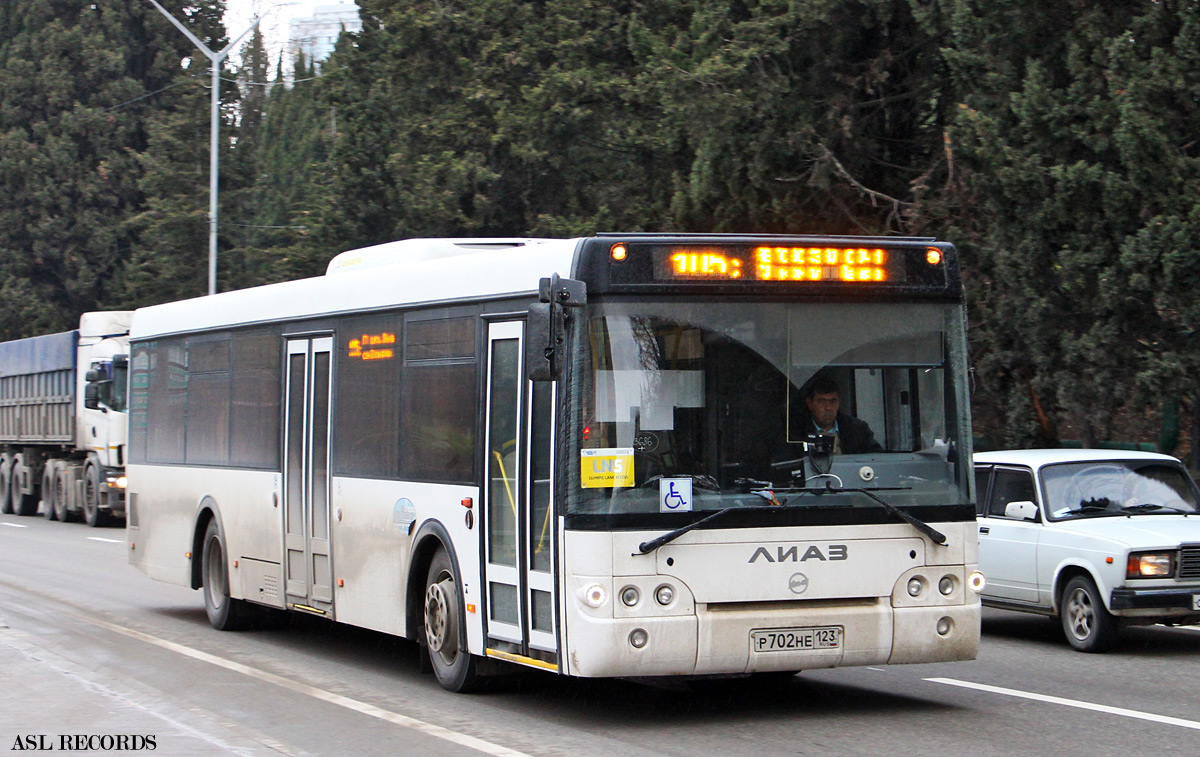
[[664, 594], [976, 581], [638, 638], [915, 586], [630, 596], [595, 596], [946, 585]]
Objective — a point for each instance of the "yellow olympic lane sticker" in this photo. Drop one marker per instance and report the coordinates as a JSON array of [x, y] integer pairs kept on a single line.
[[605, 468]]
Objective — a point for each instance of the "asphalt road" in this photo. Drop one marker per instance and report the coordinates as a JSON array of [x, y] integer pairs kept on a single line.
[[90, 647]]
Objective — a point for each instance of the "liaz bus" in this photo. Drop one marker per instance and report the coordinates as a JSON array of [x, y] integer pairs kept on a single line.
[[584, 456]]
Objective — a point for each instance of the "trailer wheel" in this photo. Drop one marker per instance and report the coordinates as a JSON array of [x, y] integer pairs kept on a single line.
[[22, 504], [92, 513], [5, 484], [51, 512], [224, 612], [62, 493], [445, 637]]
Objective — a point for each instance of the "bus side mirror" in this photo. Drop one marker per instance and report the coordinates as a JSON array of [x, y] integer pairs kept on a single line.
[[546, 326]]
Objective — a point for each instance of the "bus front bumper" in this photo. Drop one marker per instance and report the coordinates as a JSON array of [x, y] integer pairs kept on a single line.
[[729, 638]]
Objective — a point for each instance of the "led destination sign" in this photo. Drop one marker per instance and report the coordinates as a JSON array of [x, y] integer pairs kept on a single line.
[[373, 347], [811, 264]]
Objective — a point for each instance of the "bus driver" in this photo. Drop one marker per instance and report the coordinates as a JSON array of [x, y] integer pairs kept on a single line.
[[851, 435]]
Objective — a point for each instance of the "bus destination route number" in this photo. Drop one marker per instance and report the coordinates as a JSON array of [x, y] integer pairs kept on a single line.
[[795, 639]]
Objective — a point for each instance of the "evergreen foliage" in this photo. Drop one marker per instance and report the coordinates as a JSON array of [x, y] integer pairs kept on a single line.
[[1053, 141]]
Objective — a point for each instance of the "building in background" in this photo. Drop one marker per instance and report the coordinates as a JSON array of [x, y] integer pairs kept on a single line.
[[315, 35]]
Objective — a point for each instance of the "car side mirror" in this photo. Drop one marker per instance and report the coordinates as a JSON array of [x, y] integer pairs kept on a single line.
[[1024, 510]]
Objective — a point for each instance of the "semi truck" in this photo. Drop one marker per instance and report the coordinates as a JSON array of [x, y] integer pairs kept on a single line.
[[63, 421]]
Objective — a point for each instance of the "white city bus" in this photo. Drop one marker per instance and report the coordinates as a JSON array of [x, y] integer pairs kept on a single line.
[[578, 455]]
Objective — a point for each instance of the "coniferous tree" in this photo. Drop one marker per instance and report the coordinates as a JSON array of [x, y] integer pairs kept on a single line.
[[79, 84]]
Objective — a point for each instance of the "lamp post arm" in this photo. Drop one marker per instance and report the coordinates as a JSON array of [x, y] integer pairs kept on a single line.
[[187, 33]]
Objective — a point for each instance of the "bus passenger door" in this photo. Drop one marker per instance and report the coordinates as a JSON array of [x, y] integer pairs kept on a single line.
[[307, 565], [518, 517]]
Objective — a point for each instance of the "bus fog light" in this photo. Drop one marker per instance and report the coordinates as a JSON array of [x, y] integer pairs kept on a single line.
[[946, 585], [630, 596], [945, 626], [976, 581], [664, 594], [638, 638], [594, 596], [915, 586]]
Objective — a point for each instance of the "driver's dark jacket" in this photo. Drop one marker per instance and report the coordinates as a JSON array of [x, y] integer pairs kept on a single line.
[[855, 435]]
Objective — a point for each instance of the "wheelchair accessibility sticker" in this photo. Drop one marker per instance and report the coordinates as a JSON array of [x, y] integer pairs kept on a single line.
[[674, 495]]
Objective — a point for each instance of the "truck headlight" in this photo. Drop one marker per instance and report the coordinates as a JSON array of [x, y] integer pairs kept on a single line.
[[1150, 565]]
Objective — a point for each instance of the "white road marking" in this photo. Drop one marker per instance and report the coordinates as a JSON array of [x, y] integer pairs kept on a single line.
[[110, 541], [16, 640], [14, 525], [1070, 703], [429, 729]]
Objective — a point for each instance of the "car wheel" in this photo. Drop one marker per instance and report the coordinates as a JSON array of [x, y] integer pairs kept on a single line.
[[224, 612], [1085, 620], [454, 667]]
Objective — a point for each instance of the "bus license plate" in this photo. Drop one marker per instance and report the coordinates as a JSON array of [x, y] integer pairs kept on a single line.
[[795, 639]]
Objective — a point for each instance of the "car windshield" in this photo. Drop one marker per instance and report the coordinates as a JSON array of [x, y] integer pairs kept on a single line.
[[1117, 487], [711, 398]]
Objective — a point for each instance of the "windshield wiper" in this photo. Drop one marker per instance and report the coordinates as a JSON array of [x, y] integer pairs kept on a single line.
[[1091, 508], [937, 536], [670, 536], [1145, 506]]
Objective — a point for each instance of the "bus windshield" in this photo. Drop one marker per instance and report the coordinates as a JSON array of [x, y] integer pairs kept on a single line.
[[722, 400]]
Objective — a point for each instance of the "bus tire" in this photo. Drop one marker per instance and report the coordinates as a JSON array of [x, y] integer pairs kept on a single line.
[[224, 612], [445, 630], [6, 484], [92, 513], [48, 502]]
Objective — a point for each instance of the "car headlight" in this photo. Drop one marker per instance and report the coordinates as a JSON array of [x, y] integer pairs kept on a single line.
[[1150, 565]]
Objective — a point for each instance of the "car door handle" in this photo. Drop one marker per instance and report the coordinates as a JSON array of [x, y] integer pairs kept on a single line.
[[984, 530]]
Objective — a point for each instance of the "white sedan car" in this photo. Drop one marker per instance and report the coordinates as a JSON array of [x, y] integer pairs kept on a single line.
[[1098, 538]]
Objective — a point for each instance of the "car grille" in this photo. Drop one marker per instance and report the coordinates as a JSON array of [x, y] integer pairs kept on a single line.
[[1189, 562]]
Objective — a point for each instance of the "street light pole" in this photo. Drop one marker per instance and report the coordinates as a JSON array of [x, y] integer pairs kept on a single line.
[[214, 129]]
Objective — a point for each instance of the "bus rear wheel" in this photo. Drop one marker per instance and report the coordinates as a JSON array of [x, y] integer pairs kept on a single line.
[[224, 612], [455, 668]]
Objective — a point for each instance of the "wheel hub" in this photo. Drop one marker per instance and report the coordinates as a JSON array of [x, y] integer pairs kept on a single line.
[[1080, 613], [435, 617]]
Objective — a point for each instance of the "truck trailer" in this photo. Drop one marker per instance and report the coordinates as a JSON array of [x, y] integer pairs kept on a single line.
[[63, 421]]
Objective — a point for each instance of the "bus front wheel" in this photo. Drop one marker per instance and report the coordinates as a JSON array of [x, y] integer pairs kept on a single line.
[[455, 668]]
